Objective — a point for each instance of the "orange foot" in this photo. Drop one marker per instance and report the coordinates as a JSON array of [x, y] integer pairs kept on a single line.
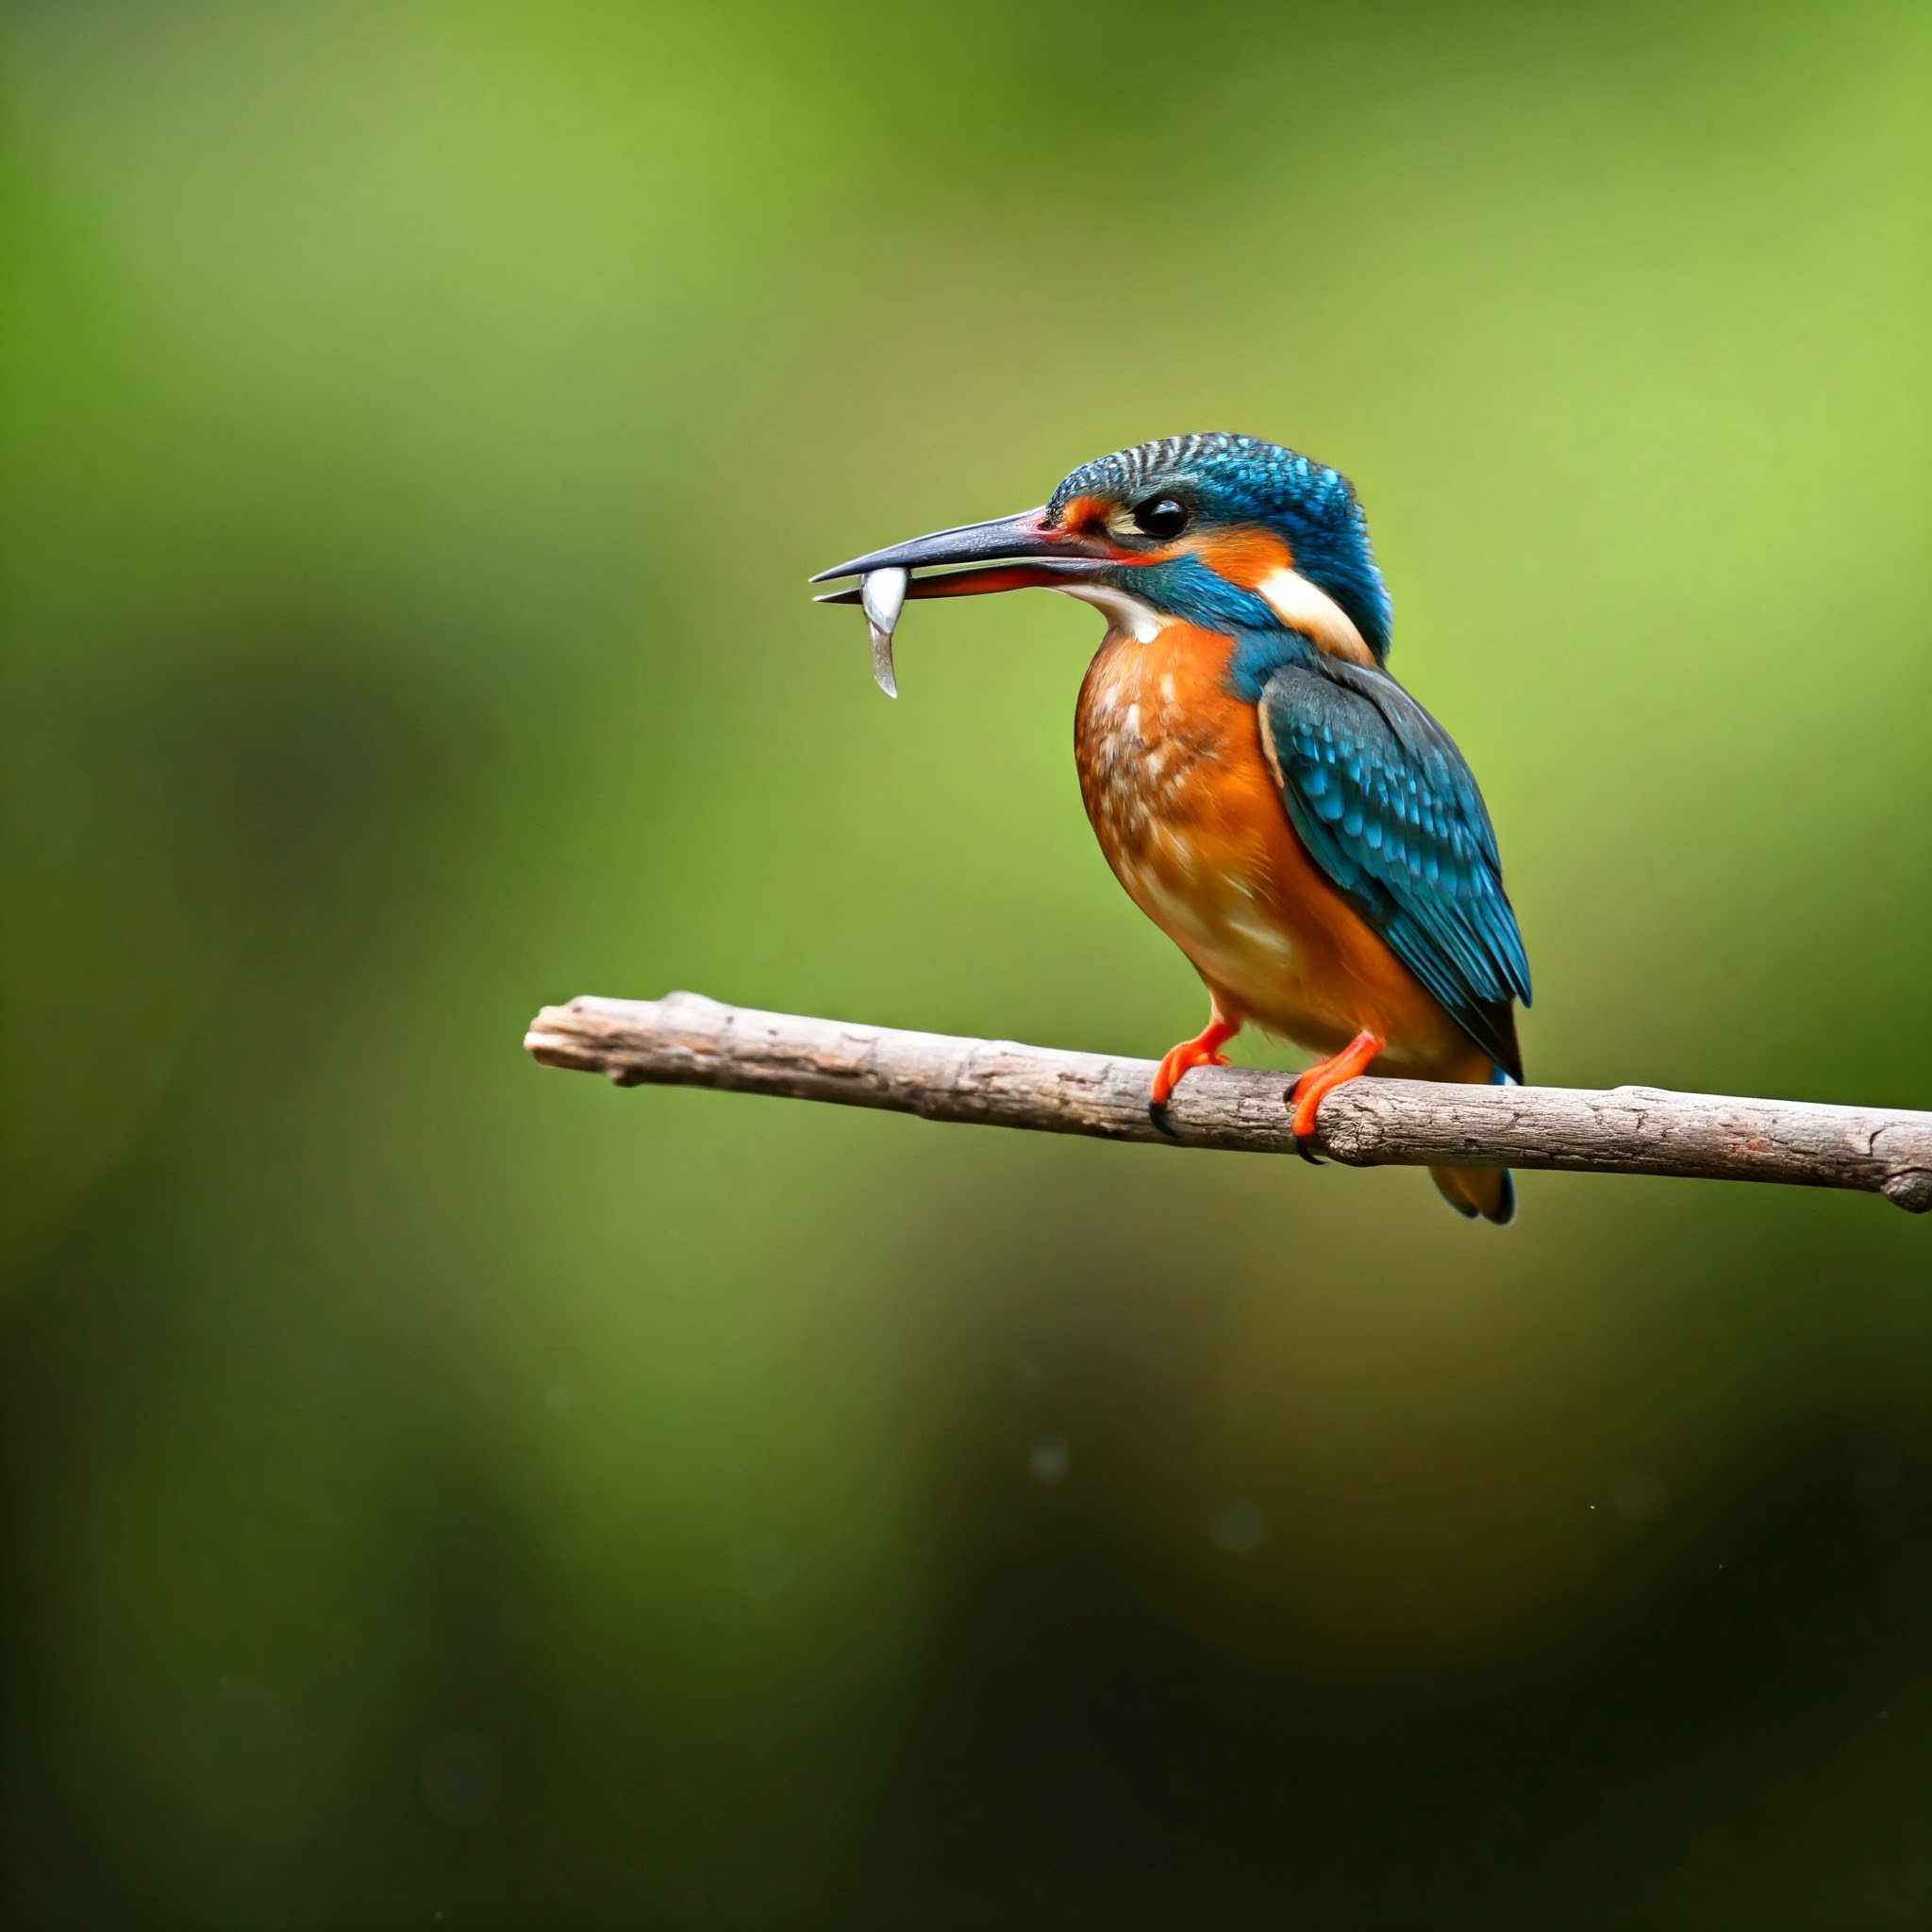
[[1204, 1050], [1313, 1084]]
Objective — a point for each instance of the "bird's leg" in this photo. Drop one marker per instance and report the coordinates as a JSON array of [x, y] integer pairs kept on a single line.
[[1313, 1084], [1204, 1050]]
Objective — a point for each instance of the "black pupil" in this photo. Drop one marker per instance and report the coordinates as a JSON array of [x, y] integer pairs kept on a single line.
[[1161, 516]]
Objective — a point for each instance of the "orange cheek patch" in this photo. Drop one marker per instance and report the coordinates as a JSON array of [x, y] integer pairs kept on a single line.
[[1247, 558], [1085, 515]]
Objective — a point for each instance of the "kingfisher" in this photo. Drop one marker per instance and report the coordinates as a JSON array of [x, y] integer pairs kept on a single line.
[[1268, 794]]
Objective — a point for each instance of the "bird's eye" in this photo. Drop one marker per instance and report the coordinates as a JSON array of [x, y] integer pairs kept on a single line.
[[1161, 516]]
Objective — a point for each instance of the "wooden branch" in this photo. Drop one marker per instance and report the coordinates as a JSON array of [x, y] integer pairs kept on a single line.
[[687, 1040]]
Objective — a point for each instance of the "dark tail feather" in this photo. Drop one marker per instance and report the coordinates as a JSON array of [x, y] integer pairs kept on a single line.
[[1487, 1192]]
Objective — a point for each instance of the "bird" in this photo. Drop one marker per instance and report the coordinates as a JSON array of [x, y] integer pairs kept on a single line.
[[1266, 792]]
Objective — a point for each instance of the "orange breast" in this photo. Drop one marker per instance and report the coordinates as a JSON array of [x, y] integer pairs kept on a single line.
[[1187, 811]]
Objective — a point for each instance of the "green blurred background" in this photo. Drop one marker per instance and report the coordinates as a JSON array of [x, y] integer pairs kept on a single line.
[[433, 1490]]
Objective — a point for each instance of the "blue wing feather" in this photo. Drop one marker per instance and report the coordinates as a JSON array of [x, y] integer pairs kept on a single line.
[[1385, 802]]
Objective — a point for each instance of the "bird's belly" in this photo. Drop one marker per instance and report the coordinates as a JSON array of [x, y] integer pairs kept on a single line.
[[1188, 813], [1178, 791]]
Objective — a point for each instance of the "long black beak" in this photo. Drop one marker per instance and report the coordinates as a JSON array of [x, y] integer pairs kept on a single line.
[[1010, 553]]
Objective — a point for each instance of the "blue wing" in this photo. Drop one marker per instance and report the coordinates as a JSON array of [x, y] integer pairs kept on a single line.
[[1383, 800]]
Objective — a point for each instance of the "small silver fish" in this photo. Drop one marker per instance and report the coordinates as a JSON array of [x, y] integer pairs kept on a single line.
[[883, 594]]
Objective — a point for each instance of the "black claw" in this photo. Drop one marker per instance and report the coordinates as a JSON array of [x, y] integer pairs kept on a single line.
[[1301, 1146], [1157, 1112]]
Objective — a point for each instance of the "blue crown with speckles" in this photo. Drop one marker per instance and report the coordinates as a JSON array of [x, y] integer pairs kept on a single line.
[[1230, 480]]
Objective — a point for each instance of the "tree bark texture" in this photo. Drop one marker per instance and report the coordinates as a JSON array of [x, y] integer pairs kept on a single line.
[[684, 1039]]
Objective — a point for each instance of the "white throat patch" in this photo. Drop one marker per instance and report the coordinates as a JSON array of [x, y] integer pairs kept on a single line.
[[1308, 609], [1141, 622]]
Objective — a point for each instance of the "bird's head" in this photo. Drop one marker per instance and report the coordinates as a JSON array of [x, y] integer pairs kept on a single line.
[[1220, 531]]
